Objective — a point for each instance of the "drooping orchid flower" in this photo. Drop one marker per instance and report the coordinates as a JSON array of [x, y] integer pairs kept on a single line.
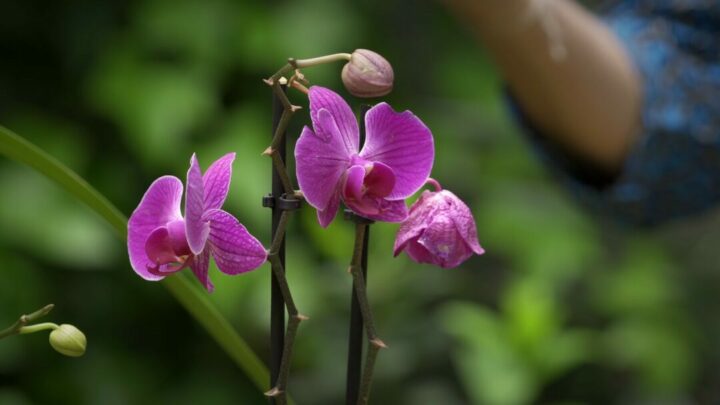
[[161, 241], [394, 163], [439, 230]]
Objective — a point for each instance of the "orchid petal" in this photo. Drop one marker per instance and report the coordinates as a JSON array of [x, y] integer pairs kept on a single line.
[[235, 250], [419, 253], [159, 205], [216, 181], [465, 223], [319, 165], [200, 265], [389, 211], [326, 216], [408, 231], [342, 116], [404, 143], [444, 243], [418, 218], [196, 228]]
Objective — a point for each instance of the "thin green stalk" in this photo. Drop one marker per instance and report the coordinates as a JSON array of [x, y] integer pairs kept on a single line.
[[26, 319], [180, 286], [303, 63], [37, 327]]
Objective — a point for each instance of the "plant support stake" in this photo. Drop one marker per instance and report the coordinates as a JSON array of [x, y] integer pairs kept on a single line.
[[277, 304]]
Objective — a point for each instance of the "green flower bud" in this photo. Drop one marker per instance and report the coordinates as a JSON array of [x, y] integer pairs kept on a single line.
[[68, 340], [367, 74]]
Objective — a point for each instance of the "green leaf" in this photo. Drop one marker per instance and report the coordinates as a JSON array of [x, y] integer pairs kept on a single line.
[[180, 286]]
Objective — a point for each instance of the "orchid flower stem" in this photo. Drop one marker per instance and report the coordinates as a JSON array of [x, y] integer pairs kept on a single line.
[[280, 73], [375, 343], [37, 327], [299, 87], [432, 182], [280, 233], [278, 391], [24, 320], [279, 135], [336, 57], [373, 349], [282, 172], [278, 90]]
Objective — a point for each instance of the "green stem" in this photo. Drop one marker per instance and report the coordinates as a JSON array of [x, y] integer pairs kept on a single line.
[[26, 319], [180, 286], [303, 63], [37, 327]]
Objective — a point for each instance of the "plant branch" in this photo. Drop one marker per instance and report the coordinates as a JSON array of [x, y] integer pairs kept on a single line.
[[24, 320], [279, 134], [303, 63], [281, 171], [361, 293], [278, 391], [37, 327]]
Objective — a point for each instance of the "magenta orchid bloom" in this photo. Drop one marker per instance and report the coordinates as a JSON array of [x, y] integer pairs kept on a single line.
[[161, 242], [394, 163], [439, 230]]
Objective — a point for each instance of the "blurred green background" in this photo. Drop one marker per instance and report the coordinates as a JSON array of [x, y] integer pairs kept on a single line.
[[564, 308]]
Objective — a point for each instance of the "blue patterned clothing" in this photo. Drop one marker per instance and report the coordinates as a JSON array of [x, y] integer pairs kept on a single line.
[[674, 168]]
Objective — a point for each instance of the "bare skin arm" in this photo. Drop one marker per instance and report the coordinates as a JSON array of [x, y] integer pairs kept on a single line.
[[568, 71]]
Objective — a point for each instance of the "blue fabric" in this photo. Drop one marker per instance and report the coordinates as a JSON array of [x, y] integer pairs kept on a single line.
[[674, 169]]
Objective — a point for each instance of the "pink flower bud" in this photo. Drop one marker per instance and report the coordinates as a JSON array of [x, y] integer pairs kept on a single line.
[[367, 74], [439, 230]]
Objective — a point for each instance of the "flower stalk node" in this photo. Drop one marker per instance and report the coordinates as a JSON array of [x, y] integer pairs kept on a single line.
[[24, 320], [274, 392], [378, 343]]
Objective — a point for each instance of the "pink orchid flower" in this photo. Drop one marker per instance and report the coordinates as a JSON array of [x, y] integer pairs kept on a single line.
[[394, 163], [162, 242], [439, 230]]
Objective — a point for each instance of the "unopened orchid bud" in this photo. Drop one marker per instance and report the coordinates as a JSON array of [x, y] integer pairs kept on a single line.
[[68, 340], [367, 74], [439, 230]]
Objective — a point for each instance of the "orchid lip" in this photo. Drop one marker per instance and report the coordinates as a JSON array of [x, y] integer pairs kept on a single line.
[[166, 268]]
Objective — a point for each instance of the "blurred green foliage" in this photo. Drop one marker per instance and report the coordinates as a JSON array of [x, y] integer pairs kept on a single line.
[[564, 308]]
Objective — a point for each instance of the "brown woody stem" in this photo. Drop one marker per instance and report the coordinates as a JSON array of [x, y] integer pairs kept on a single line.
[[282, 171], [280, 388], [361, 293]]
